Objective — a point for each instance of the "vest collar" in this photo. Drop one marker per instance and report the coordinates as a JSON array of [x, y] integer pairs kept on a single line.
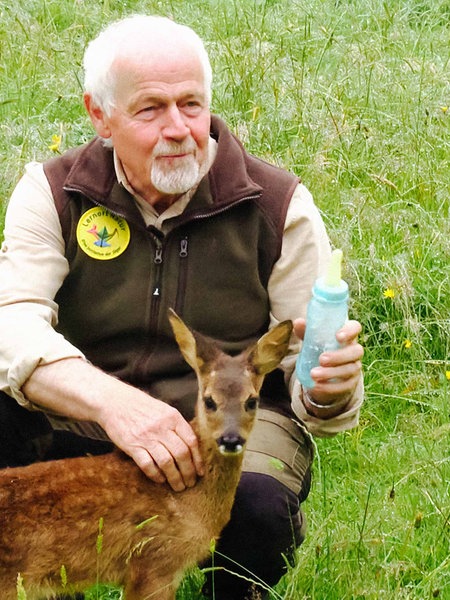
[[93, 174]]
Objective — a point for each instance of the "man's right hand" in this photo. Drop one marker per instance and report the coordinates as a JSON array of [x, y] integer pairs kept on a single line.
[[156, 437]]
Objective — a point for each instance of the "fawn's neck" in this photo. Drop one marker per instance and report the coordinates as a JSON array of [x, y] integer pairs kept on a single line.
[[222, 474]]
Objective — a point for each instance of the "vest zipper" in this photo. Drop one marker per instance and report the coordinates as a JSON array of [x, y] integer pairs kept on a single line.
[[158, 259], [182, 278], [156, 293], [182, 275], [184, 248], [153, 308]]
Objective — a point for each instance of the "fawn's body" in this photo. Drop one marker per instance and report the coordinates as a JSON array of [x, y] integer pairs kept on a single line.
[[51, 512], [57, 506]]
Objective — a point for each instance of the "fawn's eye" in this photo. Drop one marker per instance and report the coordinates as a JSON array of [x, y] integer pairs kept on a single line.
[[210, 404], [251, 404]]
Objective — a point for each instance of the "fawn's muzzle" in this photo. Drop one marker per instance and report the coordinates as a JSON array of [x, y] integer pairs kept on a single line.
[[231, 444]]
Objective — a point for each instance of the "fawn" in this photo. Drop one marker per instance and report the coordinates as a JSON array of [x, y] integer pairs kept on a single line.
[[150, 535]]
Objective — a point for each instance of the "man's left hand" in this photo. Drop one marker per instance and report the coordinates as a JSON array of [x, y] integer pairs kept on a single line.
[[340, 370]]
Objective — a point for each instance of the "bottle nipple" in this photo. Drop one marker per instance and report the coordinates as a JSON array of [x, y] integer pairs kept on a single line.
[[333, 276]]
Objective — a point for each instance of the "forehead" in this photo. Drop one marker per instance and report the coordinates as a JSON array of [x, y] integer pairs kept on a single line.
[[231, 380], [159, 72]]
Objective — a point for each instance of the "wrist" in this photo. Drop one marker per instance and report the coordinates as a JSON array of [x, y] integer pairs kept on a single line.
[[322, 410]]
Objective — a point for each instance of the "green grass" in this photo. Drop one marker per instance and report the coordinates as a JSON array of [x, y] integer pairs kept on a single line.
[[352, 96]]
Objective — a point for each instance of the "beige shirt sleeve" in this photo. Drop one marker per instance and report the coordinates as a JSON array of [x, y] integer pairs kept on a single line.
[[32, 269], [304, 256]]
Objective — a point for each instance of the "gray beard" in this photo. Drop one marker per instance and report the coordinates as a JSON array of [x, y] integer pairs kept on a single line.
[[177, 180]]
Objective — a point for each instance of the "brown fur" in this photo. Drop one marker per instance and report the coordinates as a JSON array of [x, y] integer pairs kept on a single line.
[[51, 512]]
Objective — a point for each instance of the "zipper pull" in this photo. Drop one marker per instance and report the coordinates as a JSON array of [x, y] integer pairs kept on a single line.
[[184, 247], [158, 256]]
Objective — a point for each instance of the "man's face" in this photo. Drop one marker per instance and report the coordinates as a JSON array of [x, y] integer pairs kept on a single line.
[[159, 126]]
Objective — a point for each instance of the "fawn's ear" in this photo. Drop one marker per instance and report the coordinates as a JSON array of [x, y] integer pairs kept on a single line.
[[197, 350], [185, 339], [271, 348]]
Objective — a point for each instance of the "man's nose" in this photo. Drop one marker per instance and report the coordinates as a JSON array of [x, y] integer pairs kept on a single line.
[[175, 126]]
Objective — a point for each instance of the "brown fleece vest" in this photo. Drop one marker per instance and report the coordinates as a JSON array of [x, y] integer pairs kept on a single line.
[[212, 267]]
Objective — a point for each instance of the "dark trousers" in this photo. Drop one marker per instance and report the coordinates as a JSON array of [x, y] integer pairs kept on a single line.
[[27, 437], [266, 521], [266, 525]]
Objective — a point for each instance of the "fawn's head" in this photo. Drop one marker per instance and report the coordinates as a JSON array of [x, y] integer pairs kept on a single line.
[[229, 385]]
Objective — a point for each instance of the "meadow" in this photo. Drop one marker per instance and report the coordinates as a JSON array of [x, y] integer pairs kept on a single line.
[[354, 97]]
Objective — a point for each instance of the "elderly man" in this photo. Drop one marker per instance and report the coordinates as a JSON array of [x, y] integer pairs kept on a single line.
[[164, 208]]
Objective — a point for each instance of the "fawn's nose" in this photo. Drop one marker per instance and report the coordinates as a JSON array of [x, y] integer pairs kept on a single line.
[[231, 444]]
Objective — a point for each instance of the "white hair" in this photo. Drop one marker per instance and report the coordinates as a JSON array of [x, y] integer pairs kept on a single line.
[[134, 36]]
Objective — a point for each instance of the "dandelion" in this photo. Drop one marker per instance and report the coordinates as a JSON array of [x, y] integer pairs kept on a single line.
[[56, 143], [447, 375], [407, 344], [444, 109], [389, 293]]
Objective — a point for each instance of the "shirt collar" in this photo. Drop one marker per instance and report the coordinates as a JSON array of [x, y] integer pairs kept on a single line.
[[150, 215]]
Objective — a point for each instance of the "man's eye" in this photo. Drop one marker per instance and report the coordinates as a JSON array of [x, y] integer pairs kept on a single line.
[[192, 107], [147, 109]]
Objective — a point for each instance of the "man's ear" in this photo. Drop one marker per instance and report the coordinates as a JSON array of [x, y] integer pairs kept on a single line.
[[98, 117]]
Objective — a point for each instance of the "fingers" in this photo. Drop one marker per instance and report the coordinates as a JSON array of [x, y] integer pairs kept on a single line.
[[351, 353], [336, 381], [346, 335], [299, 328], [349, 332], [171, 459], [187, 435], [146, 463], [175, 461], [160, 465], [339, 371]]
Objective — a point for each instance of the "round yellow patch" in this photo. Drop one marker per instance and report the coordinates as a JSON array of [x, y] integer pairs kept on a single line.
[[102, 235]]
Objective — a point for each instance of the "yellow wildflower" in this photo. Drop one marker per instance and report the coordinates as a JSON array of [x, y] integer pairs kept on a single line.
[[447, 375], [389, 293], [407, 343], [444, 109], [56, 143]]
